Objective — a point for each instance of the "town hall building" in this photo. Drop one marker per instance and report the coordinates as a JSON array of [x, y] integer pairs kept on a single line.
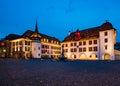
[[91, 44]]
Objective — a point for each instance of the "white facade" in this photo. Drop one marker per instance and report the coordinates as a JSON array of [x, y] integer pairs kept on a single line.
[[36, 49], [20, 48], [100, 47]]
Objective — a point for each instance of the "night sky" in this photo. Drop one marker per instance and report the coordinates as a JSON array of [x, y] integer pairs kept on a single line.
[[56, 17]]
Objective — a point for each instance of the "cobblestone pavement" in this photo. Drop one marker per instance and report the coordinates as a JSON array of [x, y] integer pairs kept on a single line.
[[36, 72]]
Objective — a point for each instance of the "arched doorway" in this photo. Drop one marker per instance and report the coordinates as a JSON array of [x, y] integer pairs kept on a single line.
[[106, 56], [93, 57], [82, 57], [73, 57]]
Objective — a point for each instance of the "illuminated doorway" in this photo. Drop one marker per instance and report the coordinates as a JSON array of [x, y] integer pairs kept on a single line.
[[82, 57], [93, 57], [106, 56], [73, 57]]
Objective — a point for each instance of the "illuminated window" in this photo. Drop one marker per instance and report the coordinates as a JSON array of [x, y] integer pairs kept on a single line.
[[95, 41], [105, 47], [84, 42], [105, 34], [80, 43], [90, 48], [80, 49], [95, 48], [84, 49], [106, 40], [41, 40], [47, 40], [90, 42]]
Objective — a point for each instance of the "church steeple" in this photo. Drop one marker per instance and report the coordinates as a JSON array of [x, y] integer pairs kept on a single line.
[[36, 27]]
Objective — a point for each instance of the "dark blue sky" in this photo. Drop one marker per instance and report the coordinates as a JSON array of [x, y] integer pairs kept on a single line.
[[57, 17]]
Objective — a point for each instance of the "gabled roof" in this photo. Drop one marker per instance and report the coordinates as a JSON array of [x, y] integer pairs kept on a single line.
[[88, 33]]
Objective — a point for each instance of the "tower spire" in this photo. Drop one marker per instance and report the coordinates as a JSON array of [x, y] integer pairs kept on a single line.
[[36, 27]]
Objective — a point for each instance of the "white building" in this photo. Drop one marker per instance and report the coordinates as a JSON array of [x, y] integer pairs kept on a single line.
[[91, 44], [33, 44]]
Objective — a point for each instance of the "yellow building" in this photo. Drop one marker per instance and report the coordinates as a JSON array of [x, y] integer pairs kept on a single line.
[[33, 44]]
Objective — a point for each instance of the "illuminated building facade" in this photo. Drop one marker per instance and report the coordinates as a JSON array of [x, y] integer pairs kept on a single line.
[[91, 44], [31, 44]]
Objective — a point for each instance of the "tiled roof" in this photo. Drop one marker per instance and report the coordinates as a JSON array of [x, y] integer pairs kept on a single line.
[[88, 33]]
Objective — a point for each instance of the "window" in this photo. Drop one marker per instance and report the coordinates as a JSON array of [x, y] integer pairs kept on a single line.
[[63, 45], [13, 43], [20, 43], [74, 44], [90, 48], [95, 49], [28, 42], [28, 48], [13, 49], [105, 34], [84, 42], [75, 49], [71, 50], [90, 42], [38, 48], [84, 49], [106, 40], [25, 48], [105, 47], [25, 42], [42, 46], [16, 48], [39, 54], [95, 41], [80, 43], [66, 45], [16, 43], [71, 44], [80, 49], [20, 48], [66, 50]]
